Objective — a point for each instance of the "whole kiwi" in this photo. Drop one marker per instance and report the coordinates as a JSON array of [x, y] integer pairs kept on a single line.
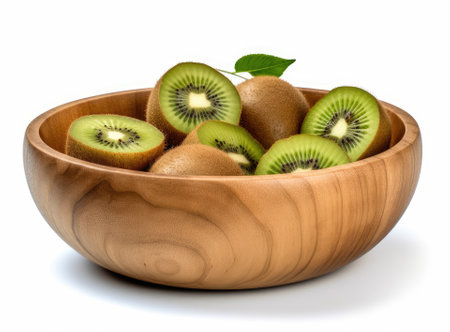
[[272, 108], [195, 159]]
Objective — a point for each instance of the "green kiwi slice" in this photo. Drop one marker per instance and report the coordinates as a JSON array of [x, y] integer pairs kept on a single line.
[[300, 153], [114, 140], [191, 93], [237, 142], [350, 117]]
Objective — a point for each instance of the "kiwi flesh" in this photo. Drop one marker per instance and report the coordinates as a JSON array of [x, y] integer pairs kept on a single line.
[[189, 94], [114, 140], [353, 118], [300, 153], [232, 139], [272, 109], [195, 159]]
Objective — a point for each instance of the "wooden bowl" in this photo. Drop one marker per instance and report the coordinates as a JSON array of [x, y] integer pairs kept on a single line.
[[215, 232]]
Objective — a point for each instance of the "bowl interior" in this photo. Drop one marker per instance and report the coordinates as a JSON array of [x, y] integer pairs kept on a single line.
[[53, 130]]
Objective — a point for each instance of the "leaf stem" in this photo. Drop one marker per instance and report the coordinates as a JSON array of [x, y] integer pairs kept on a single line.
[[232, 73]]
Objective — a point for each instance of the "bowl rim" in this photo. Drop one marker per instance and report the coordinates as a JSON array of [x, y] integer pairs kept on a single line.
[[33, 137]]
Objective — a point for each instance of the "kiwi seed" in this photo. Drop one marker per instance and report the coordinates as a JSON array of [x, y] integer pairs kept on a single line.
[[114, 140]]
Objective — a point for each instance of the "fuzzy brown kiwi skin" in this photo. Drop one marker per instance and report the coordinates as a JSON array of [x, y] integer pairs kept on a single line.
[[154, 116], [195, 159], [192, 137], [135, 161], [382, 139], [272, 108]]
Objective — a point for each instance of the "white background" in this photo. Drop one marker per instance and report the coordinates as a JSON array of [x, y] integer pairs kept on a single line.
[[57, 51]]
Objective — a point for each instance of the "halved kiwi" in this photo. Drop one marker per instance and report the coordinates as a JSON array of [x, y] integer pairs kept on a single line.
[[353, 118], [114, 140], [232, 139], [300, 153], [195, 159], [188, 94]]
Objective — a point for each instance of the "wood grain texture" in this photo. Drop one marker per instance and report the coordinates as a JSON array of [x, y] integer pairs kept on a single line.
[[214, 232]]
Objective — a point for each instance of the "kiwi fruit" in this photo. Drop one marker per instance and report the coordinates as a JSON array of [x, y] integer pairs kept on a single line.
[[188, 94], [195, 159], [300, 153], [114, 140], [272, 109], [232, 139], [353, 118]]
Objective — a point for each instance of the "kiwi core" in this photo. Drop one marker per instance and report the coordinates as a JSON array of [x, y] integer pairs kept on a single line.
[[239, 158], [115, 135], [339, 129], [300, 170], [198, 100]]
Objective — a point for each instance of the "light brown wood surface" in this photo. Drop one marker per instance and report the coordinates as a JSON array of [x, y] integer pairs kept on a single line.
[[215, 232]]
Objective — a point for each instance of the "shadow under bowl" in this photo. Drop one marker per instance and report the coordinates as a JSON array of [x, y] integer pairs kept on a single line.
[[215, 232]]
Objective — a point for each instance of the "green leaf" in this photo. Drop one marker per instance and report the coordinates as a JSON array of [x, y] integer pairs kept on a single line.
[[262, 64]]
